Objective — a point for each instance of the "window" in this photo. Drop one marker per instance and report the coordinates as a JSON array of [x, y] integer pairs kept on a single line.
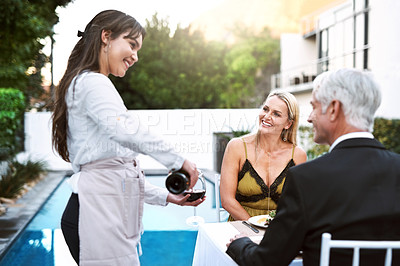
[[344, 41]]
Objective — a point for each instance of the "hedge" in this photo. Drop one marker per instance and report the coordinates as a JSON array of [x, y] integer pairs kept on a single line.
[[12, 107], [387, 131]]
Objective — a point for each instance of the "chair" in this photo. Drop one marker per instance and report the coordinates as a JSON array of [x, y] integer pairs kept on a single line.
[[218, 207], [327, 243]]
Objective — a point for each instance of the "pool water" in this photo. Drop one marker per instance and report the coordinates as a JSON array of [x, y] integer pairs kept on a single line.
[[34, 248], [167, 239]]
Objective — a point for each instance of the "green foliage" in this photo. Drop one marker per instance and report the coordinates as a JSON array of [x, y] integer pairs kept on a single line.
[[241, 132], [24, 25], [182, 71], [235, 133], [186, 71], [11, 122], [313, 149], [18, 174], [11, 184], [387, 131], [29, 170], [250, 61]]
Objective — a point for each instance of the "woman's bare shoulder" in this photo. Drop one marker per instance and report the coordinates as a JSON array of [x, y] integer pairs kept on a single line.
[[249, 138], [300, 156], [234, 143]]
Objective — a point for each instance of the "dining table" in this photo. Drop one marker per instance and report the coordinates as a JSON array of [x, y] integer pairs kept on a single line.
[[210, 249]]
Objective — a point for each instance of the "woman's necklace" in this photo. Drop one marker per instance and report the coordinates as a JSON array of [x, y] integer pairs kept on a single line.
[[268, 185], [268, 175]]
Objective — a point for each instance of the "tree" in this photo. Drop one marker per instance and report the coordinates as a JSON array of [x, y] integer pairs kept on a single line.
[[251, 61], [25, 23], [182, 71], [186, 71]]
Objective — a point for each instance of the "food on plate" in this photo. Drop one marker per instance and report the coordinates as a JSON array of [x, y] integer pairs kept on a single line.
[[267, 218], [272, 214]]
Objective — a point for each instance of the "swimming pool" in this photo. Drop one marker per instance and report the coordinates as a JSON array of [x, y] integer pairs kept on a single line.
[[42, 243]]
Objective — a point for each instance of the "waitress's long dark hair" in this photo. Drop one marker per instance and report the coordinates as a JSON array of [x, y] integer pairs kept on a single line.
[[85, 56]]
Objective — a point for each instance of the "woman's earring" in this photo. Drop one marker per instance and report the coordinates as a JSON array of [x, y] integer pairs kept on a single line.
[[284, 134]]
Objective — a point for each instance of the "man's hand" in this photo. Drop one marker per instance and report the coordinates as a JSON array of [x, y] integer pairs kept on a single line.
[[236, 237]]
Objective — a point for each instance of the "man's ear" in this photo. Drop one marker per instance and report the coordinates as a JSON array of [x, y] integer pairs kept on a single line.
[[334, 110], [105, 36]]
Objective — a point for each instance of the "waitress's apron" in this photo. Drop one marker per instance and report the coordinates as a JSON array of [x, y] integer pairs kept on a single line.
[[111, 196]]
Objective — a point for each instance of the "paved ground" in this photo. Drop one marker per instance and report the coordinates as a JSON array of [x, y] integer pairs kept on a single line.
[[18, 215]]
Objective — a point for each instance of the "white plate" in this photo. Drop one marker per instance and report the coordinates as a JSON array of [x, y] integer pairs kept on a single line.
[[259, 220]]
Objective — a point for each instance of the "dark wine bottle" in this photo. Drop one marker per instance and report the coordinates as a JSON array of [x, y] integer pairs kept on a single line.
[[177, 182]]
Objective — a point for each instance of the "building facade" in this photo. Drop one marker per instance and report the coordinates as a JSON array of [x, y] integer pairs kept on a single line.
[[362, 34]]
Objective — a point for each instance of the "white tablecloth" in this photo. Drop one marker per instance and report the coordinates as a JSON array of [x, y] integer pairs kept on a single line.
[[211, 243]]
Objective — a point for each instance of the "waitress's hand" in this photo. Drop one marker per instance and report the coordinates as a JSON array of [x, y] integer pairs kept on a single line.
[[182, 200], [191, 169]]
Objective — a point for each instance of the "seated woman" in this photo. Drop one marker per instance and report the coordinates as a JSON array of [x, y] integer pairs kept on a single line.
[[254, 167]]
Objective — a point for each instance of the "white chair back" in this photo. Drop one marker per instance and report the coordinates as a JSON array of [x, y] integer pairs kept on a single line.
[[219, 210], [327, 243]]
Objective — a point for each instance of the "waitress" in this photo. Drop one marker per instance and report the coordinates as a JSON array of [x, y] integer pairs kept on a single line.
[[102, 222]]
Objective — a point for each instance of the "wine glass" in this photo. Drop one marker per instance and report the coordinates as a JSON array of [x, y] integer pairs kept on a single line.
[[198, 191]]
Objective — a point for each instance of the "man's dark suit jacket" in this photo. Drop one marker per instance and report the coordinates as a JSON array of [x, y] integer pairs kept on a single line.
[[353, 192]]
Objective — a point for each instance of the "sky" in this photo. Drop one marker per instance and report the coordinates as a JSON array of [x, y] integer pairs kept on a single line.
[[77, 14]]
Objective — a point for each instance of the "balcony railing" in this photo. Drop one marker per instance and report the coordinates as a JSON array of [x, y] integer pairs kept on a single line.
[[300, 78], [295, 79]]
